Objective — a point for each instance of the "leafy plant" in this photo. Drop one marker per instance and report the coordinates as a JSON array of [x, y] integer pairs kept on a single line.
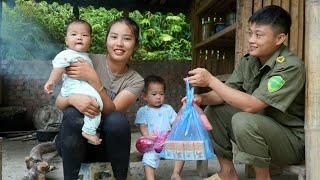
[[98, 18], [162, 36], [23, 39]]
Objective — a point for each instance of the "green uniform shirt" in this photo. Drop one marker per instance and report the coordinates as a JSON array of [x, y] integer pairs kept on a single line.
[[279, 83]]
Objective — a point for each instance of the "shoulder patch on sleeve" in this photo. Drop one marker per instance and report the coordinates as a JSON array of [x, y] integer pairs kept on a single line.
[[275, 83]]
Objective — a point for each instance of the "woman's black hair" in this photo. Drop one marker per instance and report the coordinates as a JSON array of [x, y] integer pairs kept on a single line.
[[153, 79], [273, 15], [79, 21], [129, 22]]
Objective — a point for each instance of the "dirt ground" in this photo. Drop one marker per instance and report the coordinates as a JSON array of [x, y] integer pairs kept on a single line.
[[13, 166]]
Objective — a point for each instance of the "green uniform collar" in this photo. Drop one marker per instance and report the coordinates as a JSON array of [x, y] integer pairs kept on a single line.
[[272, 60]]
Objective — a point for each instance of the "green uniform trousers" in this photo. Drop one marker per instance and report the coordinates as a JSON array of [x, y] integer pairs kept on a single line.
[[260, 139]]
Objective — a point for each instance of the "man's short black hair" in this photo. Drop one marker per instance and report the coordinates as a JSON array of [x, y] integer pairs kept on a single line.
[[273, 15], [153, 79]]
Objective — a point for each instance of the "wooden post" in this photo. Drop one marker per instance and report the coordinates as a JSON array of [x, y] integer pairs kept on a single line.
[[1, 158], [1, 30], [312, 117]]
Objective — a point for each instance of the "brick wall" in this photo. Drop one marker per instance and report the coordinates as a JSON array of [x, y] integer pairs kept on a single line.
[[22, 84]]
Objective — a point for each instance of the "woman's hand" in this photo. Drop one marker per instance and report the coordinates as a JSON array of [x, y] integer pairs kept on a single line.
[[85, 104], [83, 71], [200, 77]]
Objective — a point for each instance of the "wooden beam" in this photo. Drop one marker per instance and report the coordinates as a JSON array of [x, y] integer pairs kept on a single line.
[[267, 2], [301, 29], [294, 31], [286, 6], [1, 158], [257, 5], [312, 116], [244, 12], [0, 32]]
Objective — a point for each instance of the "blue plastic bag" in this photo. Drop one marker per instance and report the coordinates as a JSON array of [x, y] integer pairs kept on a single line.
[[188, 139]]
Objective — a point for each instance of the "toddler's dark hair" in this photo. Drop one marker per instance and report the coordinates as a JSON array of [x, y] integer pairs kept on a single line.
[[273, 15], [79, 21], [153, 79]]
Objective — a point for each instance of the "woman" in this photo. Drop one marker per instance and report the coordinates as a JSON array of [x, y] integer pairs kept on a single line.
[[119, 87]]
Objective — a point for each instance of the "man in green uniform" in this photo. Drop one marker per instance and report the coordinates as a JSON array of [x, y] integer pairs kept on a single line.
[[261, 106]]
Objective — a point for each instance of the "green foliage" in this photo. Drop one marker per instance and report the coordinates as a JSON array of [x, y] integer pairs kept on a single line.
[[99, 19], [163, 36], [53, 17], [23, 39]]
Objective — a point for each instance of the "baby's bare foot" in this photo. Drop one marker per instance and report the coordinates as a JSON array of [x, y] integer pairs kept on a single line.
[[175, 176], [93, 139]]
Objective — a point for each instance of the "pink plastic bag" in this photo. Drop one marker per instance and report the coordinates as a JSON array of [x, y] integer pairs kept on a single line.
[[204, 120], [203, 117], [144, 144]]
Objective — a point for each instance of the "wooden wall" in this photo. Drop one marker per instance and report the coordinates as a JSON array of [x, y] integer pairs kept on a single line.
[[312, 112], [296, 36]]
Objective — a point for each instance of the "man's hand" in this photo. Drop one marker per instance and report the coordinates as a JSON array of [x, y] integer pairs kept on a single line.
[[197, 99], [200, 77]]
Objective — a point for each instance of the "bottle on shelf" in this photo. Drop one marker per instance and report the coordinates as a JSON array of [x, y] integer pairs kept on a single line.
[[207, 28], [206, 55], [214, 23], [219, 25], [200, 55], [218, 55]]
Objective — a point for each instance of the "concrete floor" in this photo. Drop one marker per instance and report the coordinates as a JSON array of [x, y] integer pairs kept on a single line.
[[13, 167]]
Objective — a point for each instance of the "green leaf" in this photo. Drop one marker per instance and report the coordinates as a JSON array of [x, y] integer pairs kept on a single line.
[[165, 37]]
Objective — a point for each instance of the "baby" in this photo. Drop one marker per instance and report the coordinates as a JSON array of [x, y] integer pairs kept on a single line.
[[78, 41], [155, 117]]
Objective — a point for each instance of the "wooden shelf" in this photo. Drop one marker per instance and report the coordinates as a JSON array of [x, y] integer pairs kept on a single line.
[[219, 5], [224, 38]]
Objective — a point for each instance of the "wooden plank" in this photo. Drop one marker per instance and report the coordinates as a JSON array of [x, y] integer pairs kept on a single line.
[[294, 31], [240, 31], [218, 6], [285, 4], [301, 29], [248, 5], [312, 112], [277, 2], [1, 140], [195, 21], [267, 2], [202, 168], [213, 62], [257, 5], [204, 6], [226, 33], [209, 61], [244, 11], [230, 61]]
